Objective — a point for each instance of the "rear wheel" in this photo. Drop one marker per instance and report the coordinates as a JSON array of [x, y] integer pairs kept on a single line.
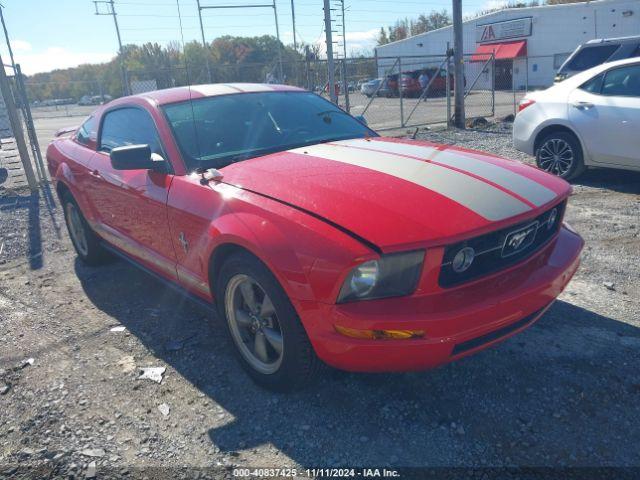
[[84, 240], [560, 153], [267, 334]]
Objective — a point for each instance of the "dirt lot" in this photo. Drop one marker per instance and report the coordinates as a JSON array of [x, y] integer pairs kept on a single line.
[[565, 393]]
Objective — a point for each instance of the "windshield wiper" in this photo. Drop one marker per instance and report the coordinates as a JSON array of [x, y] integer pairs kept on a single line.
[[327, 112]]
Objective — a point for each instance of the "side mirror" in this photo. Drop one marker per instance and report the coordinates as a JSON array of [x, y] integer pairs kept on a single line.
[[136, 157], [361, 119]]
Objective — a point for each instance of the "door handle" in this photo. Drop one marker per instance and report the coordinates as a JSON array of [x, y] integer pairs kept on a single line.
[[582, 105], [95, 173]]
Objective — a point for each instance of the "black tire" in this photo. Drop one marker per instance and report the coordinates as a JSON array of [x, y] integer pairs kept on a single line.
[[90, 251], [299, 364], [569, 147]]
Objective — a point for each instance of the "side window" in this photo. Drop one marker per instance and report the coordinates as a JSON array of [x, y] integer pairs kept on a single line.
[[128, 126], [623, 82], [87, 132], [594, 85], [591, 56]]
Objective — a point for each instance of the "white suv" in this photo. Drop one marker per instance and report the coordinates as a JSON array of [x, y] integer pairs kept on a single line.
[[590, 119]]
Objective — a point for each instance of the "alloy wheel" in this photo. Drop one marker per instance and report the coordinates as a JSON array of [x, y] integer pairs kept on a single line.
[[76, 229], [253, 322], [556, 156]]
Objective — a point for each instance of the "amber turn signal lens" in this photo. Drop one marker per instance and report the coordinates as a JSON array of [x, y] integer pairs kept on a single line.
[[379, 334]]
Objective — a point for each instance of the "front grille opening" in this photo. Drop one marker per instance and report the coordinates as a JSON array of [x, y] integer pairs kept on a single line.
[[491, 254], [496, 334]]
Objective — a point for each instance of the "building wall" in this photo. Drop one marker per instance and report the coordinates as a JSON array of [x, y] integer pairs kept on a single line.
[[556, 30]]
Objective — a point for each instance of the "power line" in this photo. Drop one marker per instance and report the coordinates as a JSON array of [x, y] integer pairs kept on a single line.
[[111, 10], [246, 5]]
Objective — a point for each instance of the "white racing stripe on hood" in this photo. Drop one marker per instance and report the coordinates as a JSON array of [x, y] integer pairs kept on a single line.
[[514, 182], [476, 195]]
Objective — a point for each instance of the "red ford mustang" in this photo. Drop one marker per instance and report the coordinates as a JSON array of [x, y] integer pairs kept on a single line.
[[317, 239]]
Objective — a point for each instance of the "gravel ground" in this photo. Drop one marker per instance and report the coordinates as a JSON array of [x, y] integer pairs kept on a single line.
[[564, 393]]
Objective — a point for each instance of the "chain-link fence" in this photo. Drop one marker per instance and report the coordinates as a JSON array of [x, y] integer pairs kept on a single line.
[[21, 160], [390, 92]]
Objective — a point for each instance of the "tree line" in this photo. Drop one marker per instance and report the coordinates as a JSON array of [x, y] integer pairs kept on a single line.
[[230, 59]]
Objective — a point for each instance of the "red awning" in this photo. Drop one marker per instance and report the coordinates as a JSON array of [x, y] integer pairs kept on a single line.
[[502, 51]]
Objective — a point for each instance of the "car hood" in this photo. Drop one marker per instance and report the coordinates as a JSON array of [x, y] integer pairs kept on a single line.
[[397, 193]]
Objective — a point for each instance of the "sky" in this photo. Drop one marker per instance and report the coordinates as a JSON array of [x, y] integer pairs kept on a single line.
[[50, 34]]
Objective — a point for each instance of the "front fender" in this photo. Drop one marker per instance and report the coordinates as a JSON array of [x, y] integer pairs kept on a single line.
[[64, 175], [265, 239], [307, 256], [562, 122]]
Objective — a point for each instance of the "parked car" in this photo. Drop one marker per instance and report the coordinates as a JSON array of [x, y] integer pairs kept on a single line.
[[337, 88], [85, 100], [392, 84], [596, 52], [300, 223], [410, 83], [378, 87], [591, 119]]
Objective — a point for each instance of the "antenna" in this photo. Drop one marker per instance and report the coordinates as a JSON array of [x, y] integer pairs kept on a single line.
[[186, 72]]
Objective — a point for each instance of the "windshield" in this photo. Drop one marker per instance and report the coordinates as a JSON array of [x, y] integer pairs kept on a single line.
[[216, 131]]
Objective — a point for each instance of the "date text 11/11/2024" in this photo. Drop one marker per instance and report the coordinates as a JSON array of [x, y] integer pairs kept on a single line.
[[316, 472]]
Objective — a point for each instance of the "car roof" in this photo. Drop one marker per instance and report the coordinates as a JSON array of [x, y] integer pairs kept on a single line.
[[181, 94], [593, 71], [630, 39]]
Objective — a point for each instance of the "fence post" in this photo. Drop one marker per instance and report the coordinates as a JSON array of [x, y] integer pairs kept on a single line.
[[16, 128], [513, 87], [447, 84], [493, 83], [345, 85], [31, 130], [400, 92]]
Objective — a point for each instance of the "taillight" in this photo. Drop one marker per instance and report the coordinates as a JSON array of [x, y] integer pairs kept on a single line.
[[524, 103]]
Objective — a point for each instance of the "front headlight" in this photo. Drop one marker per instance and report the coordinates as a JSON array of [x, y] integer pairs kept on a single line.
[[391, 275]]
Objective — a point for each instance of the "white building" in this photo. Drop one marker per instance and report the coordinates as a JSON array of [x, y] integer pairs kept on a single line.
[[529, 43]]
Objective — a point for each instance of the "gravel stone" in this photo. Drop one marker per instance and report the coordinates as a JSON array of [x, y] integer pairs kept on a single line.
[[564, 392]]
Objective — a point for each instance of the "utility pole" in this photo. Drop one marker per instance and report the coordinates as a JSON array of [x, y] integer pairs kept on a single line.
[[280, 72], [331, 85], [254, 5], [204, 44], [293, 19], [6, 36], [345, 80], [458, 67], [111, 10]]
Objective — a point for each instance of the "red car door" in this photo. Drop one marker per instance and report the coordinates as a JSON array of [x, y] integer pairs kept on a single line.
[[131, 205]]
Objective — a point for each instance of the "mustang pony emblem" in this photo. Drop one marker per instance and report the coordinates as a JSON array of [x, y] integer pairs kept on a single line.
[[518, 240]]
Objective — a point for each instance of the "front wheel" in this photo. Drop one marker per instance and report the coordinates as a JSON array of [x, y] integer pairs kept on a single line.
[[271, 343], [84, 240], [560, 153]]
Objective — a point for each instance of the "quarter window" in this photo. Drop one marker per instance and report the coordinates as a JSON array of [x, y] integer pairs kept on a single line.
[[88, 131], [129, 126]]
